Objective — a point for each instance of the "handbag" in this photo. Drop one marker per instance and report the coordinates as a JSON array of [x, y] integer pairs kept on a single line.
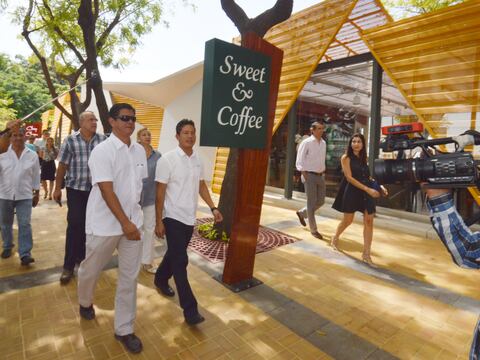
[[373, 184]]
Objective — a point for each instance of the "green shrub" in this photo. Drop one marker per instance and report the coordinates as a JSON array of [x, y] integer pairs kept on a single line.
[[208, 231]]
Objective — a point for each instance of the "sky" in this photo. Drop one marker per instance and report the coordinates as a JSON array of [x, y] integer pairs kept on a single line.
[[165, 50]]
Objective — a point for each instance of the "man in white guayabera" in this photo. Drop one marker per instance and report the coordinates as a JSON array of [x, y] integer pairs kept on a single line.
[[114, 219]]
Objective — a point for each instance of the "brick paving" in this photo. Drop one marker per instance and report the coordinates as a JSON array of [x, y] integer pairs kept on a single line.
[[314, 303]]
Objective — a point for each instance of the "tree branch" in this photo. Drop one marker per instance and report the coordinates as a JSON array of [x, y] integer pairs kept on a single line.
[[60, 33], [43, 61], [96, 6], [108, 30]]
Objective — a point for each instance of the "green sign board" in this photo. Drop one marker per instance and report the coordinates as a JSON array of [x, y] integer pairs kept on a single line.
[[236, 85]]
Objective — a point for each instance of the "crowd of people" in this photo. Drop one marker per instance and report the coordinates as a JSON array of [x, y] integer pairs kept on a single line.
[[120, 194]]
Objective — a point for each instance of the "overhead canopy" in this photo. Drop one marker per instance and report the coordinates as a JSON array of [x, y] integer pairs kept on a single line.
[[434, 60]]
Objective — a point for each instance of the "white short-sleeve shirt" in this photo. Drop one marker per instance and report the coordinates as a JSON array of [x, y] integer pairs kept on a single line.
[[125, 166], [182, 174], [19, 176]]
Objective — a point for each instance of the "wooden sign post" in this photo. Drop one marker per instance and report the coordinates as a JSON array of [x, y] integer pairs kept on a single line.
[[252, 172]]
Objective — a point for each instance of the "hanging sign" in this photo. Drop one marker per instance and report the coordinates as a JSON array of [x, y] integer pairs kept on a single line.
[[236, 86], [34, 129]]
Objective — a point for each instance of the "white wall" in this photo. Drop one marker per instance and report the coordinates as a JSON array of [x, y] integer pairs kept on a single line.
[[189, 106]]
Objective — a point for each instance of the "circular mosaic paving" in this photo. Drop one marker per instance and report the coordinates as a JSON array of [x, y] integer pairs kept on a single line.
[[216, 251]]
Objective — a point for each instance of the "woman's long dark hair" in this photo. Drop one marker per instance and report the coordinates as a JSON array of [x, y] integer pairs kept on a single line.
[[363, 153]]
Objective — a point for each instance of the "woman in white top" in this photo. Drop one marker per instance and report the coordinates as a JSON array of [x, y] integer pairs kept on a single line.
[[144, 138]]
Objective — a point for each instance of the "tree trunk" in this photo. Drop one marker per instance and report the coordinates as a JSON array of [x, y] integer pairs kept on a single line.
[[102, 106], [76, 106], [226, 203], [86, 20]]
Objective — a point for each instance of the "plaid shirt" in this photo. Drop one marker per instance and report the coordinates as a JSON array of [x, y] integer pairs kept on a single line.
[[74, 153], [462, 244]]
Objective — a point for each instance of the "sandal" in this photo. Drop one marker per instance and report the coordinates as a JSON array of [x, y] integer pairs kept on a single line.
[[334, 243], [149, 268], [367, 259]]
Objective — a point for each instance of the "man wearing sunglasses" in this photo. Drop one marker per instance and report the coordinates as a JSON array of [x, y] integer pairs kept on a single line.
[[113, 219]]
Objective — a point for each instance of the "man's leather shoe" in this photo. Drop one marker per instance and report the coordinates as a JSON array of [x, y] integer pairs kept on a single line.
[[66, 276], [27, 260], [301, 219], [131, 342], [88, 313], [195, 319], [6, 253], [165, 289], [317, 235]]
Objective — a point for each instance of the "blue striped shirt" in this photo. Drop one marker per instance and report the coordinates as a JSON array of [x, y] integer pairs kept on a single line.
[[462, 244], [74, 153]]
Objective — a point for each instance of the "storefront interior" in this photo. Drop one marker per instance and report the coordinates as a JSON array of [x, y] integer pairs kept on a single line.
[[341, 98]]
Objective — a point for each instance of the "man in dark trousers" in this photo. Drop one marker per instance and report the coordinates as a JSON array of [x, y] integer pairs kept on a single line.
[[73, 161], [180, 179]]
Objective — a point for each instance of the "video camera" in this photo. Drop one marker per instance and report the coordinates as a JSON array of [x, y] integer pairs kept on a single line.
[[439, 169]]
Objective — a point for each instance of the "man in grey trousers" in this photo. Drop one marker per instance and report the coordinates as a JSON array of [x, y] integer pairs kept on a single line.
[[311, 163]]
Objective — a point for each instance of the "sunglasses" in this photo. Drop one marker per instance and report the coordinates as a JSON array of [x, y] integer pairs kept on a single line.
[[127, 118]]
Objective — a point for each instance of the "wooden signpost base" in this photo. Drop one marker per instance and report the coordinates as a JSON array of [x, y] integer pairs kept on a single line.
[[252, 172]]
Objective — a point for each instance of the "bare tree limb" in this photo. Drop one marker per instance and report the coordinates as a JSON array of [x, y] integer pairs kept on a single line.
[[280, 12]]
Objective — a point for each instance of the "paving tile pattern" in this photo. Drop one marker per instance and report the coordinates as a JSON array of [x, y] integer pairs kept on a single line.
[[216, 251]]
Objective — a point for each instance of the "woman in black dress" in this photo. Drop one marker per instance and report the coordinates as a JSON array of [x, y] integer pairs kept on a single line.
[[48, 168], [355, 194]]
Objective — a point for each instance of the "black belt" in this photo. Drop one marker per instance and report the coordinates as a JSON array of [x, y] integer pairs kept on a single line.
[[316, 173], [441, 199]]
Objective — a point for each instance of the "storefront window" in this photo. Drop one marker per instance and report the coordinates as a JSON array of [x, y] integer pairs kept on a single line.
[[341, 99]]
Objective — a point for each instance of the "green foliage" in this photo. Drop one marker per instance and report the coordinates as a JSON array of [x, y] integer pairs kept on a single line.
[[6, 112], [208, 231], [55, 21], [406, 8], [22, 87]]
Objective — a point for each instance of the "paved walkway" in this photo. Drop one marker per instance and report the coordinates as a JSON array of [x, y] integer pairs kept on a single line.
[[314, 303]]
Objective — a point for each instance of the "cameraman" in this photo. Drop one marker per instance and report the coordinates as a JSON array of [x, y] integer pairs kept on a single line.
[[462, 244]]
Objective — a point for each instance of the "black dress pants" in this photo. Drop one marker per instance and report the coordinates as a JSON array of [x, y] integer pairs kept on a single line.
[[175, 263], [75, 237]]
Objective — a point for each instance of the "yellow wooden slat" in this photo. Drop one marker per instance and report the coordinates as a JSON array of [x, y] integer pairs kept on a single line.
[[426, 33], [437, 71], [467, 38], [459, 52], [465, 9], [148, 115]]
